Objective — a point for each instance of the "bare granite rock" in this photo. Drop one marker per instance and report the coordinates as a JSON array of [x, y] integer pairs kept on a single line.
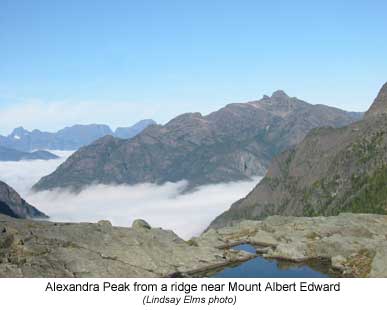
[[356, 244], [140, 224], [45, 249]]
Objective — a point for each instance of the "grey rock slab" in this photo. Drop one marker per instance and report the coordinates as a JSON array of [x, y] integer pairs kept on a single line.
[[45, 249], [355, 243]]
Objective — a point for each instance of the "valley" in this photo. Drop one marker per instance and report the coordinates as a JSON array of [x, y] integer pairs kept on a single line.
[[323, 212]]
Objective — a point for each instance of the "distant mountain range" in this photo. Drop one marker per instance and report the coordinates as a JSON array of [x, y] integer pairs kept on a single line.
[[69, 138], [329, 172], [7, 154], [234, 143], [130, 132], [13, 205]]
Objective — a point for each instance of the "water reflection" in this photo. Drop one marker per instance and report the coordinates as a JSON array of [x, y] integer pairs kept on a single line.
[[260, 267]]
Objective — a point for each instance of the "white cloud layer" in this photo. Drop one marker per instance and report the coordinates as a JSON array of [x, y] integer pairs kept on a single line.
[[161, 205], [21, 175]]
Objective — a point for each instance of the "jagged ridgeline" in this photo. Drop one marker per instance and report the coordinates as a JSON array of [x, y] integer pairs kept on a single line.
[[329, 172], [69, 138], [234, 143]]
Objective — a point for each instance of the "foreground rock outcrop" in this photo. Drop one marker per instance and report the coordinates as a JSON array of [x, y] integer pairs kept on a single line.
[[44, 249], [355, 244], [331, 171]]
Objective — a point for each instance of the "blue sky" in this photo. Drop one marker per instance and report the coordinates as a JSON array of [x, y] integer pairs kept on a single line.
[[118, 61]]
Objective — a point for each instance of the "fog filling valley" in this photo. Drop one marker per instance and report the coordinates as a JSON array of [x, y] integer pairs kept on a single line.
[[160, 205]]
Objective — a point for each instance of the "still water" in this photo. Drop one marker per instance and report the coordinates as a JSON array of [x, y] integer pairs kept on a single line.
[[260, 267]]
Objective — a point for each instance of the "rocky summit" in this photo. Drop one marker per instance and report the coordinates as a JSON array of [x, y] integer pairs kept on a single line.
[[329, 172], [12, 204], [234, 143]]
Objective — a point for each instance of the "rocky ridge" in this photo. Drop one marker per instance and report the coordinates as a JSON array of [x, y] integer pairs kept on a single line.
[[234, 143], [329, 172], [69, 138]]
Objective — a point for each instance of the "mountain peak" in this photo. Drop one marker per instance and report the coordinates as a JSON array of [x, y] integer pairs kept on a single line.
[[379, 106], [279, 94], [19, 131]]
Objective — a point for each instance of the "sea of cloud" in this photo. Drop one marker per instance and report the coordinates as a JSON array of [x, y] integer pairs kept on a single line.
[[21, 175], [166, 206]]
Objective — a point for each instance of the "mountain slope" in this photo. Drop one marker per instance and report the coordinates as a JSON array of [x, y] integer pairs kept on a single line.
[[69, 138], [234, 143], [331, 171], [7, 154], [13, 205]]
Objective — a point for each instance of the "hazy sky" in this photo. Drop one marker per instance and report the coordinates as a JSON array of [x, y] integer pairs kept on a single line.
[[117, 61]]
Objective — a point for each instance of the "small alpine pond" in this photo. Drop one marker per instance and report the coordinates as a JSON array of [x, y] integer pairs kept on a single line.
[[261, 267]]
